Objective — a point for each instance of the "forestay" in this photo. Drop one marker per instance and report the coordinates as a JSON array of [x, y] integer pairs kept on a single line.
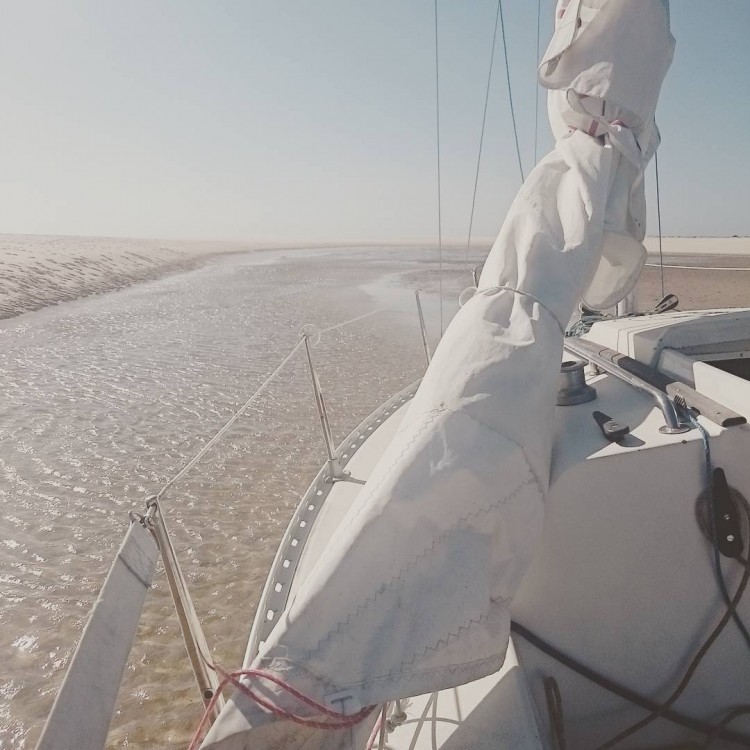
[[414, 593]]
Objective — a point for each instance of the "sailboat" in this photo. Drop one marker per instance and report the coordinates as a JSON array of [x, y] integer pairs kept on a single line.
[[542, 544]]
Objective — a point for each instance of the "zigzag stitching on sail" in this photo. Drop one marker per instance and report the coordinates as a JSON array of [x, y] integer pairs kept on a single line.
[[423, 673], [415, 561], [454, 635], [362, 504], [433, 414]]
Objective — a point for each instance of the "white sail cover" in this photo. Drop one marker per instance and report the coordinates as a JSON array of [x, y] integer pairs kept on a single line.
[[414, 593]]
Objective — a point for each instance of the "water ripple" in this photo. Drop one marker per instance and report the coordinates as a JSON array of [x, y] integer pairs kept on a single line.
[[107, 397]]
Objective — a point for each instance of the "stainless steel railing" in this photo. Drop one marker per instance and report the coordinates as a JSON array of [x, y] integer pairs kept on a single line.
[[594, 353]]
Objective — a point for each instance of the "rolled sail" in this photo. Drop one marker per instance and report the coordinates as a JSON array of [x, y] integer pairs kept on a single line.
[[414, 594]]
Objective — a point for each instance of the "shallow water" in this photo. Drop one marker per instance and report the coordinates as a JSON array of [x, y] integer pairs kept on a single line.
[[107, 397]]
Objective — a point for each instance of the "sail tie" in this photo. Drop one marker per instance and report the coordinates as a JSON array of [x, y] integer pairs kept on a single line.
[[337, 720], [504, 288]]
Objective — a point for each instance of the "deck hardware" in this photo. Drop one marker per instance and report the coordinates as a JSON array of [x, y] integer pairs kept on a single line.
[[288, 557], [312, 332], [572, 385], [397, 717], [476, 273], [422, 328], [677, 391], [611, 429], [707, 407], [666, 303], [612, 362], [335, 470], [726, 518], [718, 513], [626, 306], [192, 632]]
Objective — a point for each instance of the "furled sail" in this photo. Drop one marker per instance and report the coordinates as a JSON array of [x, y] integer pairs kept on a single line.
[[414, 594]]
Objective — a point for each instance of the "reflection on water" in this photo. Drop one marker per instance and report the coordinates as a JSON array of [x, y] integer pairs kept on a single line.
[[107, 397]]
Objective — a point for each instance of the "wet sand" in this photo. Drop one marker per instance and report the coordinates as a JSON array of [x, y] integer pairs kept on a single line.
[[699, 246], [38, 271], [691, 271], [698, 281]]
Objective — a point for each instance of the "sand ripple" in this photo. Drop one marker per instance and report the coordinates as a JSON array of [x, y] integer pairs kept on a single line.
[[39, 271]]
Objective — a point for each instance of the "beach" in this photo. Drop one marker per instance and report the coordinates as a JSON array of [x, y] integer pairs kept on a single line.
[[108, 394], [692, 271], [37, 271]]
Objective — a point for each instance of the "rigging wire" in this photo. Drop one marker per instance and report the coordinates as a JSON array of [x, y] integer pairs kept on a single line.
[[510, 92], [352, 320], [237, 414], [658, 220], [481, 136], [536, 85], [202, 452], [439, 193]]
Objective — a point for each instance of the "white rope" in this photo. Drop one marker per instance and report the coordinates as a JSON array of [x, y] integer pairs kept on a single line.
[[532, 297], [193, 461], [353, 320], [698, 268]]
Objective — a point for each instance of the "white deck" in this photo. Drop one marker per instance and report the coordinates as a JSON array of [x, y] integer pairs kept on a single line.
[[622, 580]]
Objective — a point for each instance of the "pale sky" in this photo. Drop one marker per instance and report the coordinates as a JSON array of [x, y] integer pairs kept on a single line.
[[314, 120]]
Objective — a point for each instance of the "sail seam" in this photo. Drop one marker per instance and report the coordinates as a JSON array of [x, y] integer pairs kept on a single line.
[[460, 523]]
